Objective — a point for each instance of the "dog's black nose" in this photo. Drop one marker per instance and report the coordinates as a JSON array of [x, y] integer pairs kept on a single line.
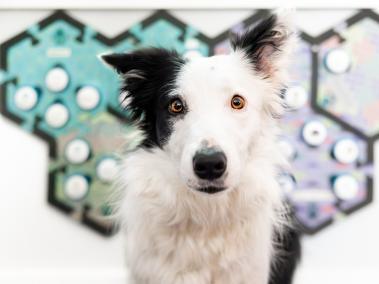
[[209, 166]]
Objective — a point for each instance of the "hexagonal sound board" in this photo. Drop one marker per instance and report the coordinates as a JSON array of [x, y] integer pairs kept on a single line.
[[54, 86]]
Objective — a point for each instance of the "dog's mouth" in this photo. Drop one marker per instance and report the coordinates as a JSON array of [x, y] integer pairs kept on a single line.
[[211, 189]]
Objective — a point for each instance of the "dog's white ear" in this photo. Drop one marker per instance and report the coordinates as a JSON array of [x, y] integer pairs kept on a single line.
[[269, 44]]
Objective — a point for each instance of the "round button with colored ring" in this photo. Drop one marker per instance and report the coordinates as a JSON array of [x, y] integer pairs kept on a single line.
[[76, 187], [57, 115], [88, 98], [346, 151], [337, 61], [107, 170], [192, 54], [26, 98], [314, 133], [296, 97], [346, 187], [77, 151], [192, 43], [57, 79], [287, 149]]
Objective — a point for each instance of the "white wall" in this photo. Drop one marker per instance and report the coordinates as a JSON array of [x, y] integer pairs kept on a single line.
[[38, 244]]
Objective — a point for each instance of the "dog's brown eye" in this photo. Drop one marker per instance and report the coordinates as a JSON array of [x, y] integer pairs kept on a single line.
[[237, 102], [176, 106]]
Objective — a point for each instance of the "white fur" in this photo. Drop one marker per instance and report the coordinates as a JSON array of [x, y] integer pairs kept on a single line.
[[177, 235]]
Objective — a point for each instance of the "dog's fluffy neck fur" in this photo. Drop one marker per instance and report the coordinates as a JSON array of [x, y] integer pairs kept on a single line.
[[225, 238]]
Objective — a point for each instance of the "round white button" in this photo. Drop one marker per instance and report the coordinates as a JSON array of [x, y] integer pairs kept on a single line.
[[88, 98], [314, 133], [287, 149], [107, 170], [346, 151], [57, 115], [76, 187], [346, 187], [338, 61], [57, 79], [296, 97], [192, 43], [192, 54], [26, 98], [287, 183], [77, 151]]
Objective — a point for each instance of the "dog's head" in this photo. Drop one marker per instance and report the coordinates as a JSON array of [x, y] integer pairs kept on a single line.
[[208, 113]]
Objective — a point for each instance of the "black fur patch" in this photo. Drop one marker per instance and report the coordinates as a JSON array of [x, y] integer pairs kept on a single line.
[[289, 246], [149, 77]]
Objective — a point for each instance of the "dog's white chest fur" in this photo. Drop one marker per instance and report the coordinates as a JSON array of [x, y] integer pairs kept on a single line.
[[175, 235]]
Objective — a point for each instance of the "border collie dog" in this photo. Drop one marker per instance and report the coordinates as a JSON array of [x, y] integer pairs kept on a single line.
[[200, 202]]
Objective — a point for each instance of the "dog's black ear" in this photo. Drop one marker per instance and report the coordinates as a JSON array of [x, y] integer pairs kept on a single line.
[[125, 63], [115, 60], [268, 44]]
